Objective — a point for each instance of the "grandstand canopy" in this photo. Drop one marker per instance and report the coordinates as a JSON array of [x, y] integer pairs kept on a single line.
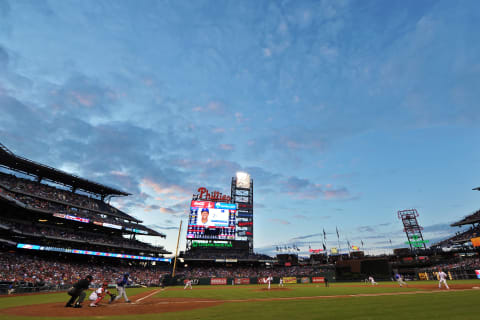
[[11, 161], [470, 219]]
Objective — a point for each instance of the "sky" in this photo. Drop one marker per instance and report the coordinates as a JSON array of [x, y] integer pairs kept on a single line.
[[343, 112]]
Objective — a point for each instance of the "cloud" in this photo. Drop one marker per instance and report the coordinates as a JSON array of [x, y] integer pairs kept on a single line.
[[308, 236], [280, 221], [159, 227], [305, 189]]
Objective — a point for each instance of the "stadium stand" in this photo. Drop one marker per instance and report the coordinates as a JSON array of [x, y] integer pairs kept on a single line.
[[67, 220]]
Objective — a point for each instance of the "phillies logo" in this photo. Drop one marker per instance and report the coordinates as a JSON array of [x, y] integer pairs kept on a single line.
[[214, 196]]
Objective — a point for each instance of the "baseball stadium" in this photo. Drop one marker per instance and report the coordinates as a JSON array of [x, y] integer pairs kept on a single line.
[[67, 253]]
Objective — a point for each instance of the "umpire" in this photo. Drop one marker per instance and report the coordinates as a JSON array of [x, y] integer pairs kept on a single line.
[[78, 291]]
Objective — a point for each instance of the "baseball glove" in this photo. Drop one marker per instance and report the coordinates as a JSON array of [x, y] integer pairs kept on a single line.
[[112, 297]]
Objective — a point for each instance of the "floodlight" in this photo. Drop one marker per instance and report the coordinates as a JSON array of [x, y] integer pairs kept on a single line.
[[243, 180]]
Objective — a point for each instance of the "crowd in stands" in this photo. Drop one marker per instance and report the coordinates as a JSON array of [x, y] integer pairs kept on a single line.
[[58, 196], [32, 270], [35, 202], [233, 254], [466, 263], [247, 272], [54, 232], [461, 237]]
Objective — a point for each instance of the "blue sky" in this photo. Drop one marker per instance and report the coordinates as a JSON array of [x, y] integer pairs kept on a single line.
[[343, 112]]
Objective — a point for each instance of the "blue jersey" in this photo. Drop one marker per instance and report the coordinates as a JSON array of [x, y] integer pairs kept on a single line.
[[122, 282]]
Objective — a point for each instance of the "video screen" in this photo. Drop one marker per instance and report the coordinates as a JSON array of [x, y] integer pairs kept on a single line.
[[211, 220]]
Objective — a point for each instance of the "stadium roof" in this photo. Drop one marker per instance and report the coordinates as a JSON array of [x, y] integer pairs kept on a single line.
[[470, 219], [11, 161]]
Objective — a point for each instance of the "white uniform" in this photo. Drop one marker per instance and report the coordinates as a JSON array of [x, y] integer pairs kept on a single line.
[[188, 284], [269, 280], [442, 276], [372, 281], [280, 284]]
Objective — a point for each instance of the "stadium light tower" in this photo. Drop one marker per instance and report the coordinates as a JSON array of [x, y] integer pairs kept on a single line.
[[242, 195], [412, 229]]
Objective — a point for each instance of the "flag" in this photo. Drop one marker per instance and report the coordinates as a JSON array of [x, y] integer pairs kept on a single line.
[[348, 242], [324, 234], [361, 242], [309, 247], [338, 235], [390, 241], [324, 247]]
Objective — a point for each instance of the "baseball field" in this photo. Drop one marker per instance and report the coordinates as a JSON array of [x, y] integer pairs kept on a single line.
[[420, 300]]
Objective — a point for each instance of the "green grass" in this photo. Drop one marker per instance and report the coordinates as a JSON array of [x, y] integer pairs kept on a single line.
[[437, 306]]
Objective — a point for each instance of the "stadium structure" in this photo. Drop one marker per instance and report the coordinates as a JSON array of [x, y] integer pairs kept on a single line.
[[56, 227], [46, 213]]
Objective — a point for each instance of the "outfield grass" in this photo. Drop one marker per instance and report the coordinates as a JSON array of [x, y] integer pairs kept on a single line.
[[437, 305]]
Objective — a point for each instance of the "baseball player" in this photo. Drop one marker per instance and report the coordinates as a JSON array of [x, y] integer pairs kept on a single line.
[[121, 283], [280, 283], [372, 281], [188, 284], [269, 281], [400, 281], [98, 295], [78, 291], [442, 276]]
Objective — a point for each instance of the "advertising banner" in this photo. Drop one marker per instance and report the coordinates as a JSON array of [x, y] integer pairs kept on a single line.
[[262, 280], [305, 280], [477, 272], [318, 279], [289, 280], [218, 281], [242, 280], [423, 276], [475, 242]]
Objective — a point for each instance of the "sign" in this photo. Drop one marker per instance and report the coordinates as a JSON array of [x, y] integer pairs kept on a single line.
[[305, 280], [214, 196], [218, 281], [289, 280], [355, 248], [416, 242], [245, 224], [315, 250], [318, 279], [334, 250], [477, 272], [262, 280], [90, 253], [475, 242], [113, 226], [423, 276], [196, 244], [78, 219], [242, 280]]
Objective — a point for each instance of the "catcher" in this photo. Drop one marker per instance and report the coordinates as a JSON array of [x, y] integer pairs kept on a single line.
[[98, 295]]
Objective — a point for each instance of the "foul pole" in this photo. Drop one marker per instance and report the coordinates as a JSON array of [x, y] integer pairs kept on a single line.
[[176, 250]]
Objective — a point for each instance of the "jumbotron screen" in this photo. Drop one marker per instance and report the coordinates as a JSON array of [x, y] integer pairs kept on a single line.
[[211, 220]]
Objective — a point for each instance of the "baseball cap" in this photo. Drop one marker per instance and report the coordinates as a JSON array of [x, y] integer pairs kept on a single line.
[[205, 210], [89, 277]]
